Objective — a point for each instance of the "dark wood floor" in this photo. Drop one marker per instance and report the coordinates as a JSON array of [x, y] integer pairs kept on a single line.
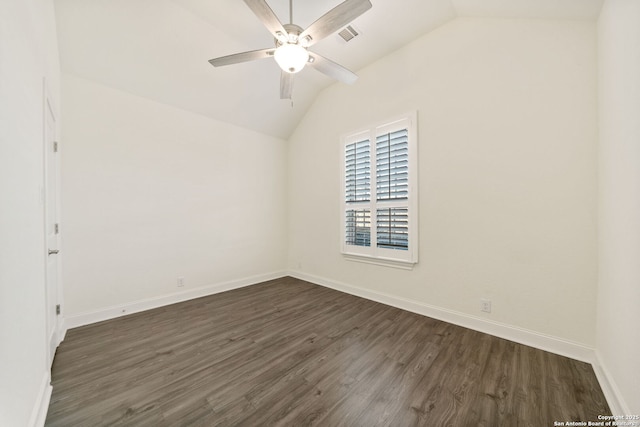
[[287, 352]]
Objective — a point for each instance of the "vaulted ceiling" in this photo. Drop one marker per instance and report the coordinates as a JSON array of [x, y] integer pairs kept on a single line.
[[159, 49]]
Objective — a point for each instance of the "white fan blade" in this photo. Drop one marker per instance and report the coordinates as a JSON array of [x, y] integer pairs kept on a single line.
[[331, 69], [286, 85], [242, 57], [335, 19], [262, 10]]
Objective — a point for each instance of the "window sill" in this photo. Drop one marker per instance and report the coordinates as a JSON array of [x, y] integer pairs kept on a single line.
[[384, 262]]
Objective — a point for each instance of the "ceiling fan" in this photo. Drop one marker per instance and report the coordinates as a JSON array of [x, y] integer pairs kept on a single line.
[[292, 42]]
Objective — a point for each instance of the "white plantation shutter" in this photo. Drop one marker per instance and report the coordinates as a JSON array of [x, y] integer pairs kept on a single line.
[[358, 227], [357, 192], [392, 185], [379, 204], [392, 165], [393, 228], [358, 171]]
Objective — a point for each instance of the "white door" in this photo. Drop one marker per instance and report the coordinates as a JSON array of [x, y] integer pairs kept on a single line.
[[51, 229]]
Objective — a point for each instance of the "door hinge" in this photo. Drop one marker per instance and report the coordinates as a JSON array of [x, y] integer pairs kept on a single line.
[[55, 146], [57, 228], [57, 309]]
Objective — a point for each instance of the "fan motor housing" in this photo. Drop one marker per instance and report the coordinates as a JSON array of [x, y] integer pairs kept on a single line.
[[293, 31]]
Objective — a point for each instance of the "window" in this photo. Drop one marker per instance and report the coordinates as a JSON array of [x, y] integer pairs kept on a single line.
[[380, 191]]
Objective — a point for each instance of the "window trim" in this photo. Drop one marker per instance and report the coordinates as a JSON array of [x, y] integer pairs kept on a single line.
[[373, 254]]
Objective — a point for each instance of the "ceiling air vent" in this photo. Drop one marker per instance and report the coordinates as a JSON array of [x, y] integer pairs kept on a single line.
[[348, 33]]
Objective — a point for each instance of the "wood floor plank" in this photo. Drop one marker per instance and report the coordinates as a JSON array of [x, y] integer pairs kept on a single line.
[[290, 353]]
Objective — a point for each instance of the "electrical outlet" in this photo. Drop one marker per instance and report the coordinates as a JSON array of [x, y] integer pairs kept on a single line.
[[180, 281], [485, 305]]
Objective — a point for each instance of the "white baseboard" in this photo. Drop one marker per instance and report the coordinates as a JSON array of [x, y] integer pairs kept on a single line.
[[112, 312], [513, 333], [609, 387], [62, 330], [41, 405]]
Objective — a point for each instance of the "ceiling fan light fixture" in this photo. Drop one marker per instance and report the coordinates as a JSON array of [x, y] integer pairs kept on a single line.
[[291, 57], [292, 41]]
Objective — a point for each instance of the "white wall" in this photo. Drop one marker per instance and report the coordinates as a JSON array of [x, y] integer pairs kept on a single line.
[[507, 154], [618, 325], [28, 54], [151, 192]]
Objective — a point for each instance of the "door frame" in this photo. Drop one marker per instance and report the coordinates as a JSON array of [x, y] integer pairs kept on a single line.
[[49, 107]]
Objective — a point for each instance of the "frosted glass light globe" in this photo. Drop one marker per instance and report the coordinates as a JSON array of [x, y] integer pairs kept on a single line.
[[291, 57]]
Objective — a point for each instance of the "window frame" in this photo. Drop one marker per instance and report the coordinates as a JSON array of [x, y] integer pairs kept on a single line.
[[399, 258]]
